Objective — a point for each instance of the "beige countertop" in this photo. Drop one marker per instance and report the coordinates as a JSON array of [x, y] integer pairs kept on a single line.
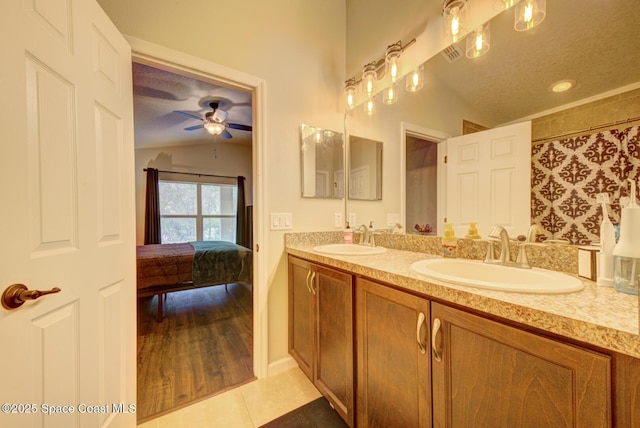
[[596, 315]]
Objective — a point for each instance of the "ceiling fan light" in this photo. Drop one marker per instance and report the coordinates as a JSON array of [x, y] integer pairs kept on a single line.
[[214, 128]]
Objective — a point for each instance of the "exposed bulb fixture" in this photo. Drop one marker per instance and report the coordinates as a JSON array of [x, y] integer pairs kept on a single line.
[[350, 92], [415, 79], [504, 4], [370, 107], [454, 13], [214, 128], [390, 95], [391, 61], [368, 79], [529, 13], [478, 42]]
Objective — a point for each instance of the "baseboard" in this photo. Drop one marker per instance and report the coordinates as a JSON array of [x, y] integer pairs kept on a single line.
[[281, 365]]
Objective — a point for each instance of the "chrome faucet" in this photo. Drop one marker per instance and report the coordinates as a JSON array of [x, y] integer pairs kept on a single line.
[[367, 236], [499, 232]]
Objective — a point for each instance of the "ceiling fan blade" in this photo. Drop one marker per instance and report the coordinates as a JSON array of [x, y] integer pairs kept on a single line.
[[193, 128], [226, 135], [193, 116], [240, 127]]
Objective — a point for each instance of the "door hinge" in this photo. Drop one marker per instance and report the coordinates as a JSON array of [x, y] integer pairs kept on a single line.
[[445, 158]]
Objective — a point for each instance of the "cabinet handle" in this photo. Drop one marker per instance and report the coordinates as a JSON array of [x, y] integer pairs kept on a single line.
[[434, 333], [313, 278], [308, 282], [422, 346]]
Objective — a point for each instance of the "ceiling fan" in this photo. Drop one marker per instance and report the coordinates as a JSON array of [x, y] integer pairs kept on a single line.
[[214, 122]]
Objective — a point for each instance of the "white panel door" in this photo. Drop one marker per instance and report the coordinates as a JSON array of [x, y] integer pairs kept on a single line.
[[489, 179], [67, 221]]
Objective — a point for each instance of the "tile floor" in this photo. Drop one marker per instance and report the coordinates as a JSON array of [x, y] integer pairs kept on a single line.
[[248, 406]]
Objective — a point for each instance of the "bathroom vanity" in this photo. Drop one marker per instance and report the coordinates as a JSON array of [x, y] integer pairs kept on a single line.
[[428, 353]]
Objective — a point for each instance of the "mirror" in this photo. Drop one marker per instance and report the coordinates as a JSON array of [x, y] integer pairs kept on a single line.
[[322, 162], [511, 83], [365, 169]]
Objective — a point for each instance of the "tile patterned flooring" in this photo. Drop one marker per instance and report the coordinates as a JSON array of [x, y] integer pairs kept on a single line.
[[248, 406]]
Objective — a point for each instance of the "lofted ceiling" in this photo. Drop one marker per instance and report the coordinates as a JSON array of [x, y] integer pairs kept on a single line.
[[157, 94]]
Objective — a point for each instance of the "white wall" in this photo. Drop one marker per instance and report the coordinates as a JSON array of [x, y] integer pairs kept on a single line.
[[298, 48]]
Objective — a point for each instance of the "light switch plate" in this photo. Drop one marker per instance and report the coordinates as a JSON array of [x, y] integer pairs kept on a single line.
[[337, 220], [392, 219], [352, 220], [281, 221]]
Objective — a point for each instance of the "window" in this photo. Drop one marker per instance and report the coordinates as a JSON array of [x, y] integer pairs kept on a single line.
[[197, 211]]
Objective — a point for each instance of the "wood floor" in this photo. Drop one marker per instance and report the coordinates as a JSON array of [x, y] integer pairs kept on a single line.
[[202, 346]]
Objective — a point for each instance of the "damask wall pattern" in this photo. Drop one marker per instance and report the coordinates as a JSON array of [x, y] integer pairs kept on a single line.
[[567, 175]]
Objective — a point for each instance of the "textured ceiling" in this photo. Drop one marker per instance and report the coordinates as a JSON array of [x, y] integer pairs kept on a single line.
[[594, 42], [158, 93]]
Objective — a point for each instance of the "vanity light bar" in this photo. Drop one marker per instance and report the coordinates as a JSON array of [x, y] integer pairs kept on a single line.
[[376, 69]]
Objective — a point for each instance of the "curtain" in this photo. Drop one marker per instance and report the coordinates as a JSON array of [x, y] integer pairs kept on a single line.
[[242, 237], [152, 209]]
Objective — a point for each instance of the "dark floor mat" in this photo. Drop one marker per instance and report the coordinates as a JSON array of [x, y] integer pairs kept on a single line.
[[316, 414]]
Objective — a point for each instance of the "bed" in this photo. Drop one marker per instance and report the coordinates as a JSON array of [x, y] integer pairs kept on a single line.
[[165, 268]]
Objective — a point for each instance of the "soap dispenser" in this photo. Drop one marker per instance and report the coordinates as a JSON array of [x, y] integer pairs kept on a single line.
[[626, 254], [449, 241]]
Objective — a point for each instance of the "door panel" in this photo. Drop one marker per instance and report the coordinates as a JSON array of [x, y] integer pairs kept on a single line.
[[488, 179], [66, 126], [394, 376], [494, 375]]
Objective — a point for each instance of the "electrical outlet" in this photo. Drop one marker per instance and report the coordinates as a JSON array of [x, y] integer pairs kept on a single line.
[[392, 219], [337, 220]]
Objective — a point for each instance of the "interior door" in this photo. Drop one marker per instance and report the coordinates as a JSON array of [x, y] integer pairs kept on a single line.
[[489, 180], [67, 183]]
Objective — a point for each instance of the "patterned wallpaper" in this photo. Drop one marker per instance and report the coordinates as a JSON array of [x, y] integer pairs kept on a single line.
[[567, 175]]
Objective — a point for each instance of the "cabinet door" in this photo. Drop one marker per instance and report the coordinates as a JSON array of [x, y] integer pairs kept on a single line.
[[393, 381], [301, 328], [334, 334], [487, 374]]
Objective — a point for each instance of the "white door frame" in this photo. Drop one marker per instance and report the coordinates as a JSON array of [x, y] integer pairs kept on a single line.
[[151, 53], [440, 139]]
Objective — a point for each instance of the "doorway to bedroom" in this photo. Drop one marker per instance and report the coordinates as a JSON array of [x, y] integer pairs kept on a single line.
[[193, 342]]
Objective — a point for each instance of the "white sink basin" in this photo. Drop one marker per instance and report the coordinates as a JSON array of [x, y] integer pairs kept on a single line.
[[475, 273], [349, 250]]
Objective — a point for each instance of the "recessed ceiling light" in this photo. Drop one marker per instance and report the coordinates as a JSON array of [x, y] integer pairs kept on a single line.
[[562, 85]]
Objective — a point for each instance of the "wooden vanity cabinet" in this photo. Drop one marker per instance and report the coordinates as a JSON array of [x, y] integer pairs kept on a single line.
[[489, 374], [321, 330], [393, 371]]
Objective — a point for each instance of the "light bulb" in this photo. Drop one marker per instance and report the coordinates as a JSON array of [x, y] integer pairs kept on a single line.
[[455, 26], [391, 60], [478, 42], [390, 95], [368, 78], [415, 79], [369, 107], [454, 13], [350, 90], [529, 13]]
